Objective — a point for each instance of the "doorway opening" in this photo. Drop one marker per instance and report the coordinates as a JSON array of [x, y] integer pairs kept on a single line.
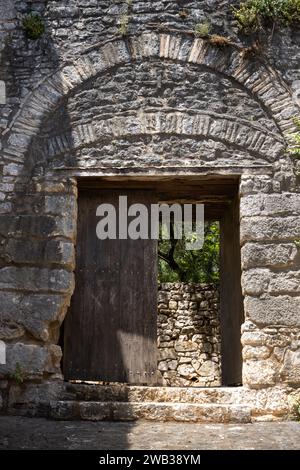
[[189, 331], [120, 316]]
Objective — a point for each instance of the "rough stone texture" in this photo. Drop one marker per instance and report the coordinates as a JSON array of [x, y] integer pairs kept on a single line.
[[36, 313], [29, 361], [272, 255], [122, 402], [84, 101], [273, 310], [189, 340], [180, 412], [270, 228], [30, 433], [271, 354]]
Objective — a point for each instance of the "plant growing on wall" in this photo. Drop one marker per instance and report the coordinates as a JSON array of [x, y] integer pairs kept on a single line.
[[124, 19], [294, 140], [17, 375], [202, 30], [254, 15], [123, 24], [33, 26]]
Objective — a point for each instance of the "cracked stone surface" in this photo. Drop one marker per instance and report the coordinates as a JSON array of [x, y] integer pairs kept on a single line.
[[39, 433]]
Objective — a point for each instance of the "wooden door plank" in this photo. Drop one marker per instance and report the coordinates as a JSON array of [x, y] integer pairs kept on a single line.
[[111, 328]]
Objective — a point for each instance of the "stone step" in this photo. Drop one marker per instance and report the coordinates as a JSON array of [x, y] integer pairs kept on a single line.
[[144, 394], [151, 411]]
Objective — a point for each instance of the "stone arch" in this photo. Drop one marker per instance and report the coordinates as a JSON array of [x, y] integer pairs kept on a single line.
[[223, 128], [257, 78]]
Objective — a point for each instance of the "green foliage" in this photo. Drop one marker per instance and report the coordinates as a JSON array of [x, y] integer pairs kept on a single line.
[[297, 243], [194, 266], [294, 140], [202, 30], [33, 26], [17, 375], [253, 15], [123, 24]]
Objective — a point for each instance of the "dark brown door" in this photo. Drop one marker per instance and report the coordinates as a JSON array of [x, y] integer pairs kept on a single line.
[[232, 312], [111, 326]]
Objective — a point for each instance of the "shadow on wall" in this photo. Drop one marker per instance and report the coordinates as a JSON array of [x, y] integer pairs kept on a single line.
[[38, 229]]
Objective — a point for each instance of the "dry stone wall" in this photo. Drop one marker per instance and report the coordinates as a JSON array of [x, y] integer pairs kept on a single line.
[[189, 338]]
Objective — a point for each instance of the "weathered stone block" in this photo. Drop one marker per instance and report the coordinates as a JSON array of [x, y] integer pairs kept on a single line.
[[254, 338], [172, 365], [186, 370], [273, 310], [145, 45], [50, 187], [172, 305], [256, 281], [270, 228], [255, 184], [36, 279], [41, 252], [259, 281], [183, 346], [58, 205], [165, 353], [162, 366], [35, 392], [258, 374], [34, 312], [7, 10], [286, 282], [13, 169], [257, 352], [290, 370], [270, 204], [273, 255], [10, 330], [29, 360], [38, 226]]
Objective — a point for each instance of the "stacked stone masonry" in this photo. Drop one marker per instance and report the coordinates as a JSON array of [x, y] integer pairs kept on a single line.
[[84, 101], [189, 338]]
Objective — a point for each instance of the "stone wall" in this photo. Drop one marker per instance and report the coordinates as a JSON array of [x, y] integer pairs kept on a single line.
[[85, 101], [189, 339]]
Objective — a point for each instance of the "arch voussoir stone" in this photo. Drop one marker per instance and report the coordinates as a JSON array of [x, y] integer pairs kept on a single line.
[[253, 76], [171, 122]]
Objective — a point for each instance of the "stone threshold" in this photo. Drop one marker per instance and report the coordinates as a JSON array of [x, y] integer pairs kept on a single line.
[[150, 411], [123, 402], [144, 393]]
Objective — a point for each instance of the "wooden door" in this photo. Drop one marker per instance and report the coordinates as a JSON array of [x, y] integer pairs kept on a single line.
[[111, 326]]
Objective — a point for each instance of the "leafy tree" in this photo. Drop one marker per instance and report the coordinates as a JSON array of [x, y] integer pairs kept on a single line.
[[176, 264]]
